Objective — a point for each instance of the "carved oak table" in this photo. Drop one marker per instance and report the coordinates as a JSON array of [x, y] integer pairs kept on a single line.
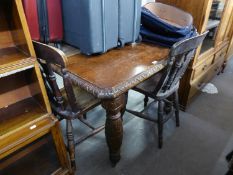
[[110, 76]]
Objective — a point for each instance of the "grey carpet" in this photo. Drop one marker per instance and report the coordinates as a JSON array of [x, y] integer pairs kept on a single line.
[[194, 148]]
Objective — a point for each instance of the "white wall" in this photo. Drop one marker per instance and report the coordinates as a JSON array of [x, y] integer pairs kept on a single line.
[[146, 1]]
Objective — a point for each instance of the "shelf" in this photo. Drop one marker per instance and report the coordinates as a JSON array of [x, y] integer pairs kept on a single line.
[[19, 114], [212, 24], [12, 58], [43, 149]]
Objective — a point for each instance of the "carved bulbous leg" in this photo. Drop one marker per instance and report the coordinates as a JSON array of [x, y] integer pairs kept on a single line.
[[114, 127], [70, 143]]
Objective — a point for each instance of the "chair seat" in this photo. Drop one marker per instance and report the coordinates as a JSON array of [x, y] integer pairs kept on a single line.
[[85, 100], [148, 86]]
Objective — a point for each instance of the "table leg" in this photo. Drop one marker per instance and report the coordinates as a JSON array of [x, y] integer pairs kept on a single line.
[[114, 127]]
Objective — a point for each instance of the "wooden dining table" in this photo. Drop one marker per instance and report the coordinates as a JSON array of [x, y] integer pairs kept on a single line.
[[110, 76]]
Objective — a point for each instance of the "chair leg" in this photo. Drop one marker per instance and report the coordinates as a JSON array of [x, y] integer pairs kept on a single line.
[[177, 109], [70, 143], [229, 156], [146, 99], [85, 116], [168, 106], [230, 172], [160, 123]]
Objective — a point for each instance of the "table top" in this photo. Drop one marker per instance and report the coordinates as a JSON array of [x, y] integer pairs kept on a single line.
[[115, 72]]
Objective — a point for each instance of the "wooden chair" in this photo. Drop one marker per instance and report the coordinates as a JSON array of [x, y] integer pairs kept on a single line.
[[229, 159], [68, 103], [163, 87]]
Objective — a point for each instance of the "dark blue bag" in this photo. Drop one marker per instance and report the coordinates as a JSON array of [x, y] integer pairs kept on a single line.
[[161, 19], [163, 40]]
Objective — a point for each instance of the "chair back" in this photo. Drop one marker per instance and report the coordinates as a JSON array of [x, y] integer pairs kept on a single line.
[[180, 56], [48, 57], [53, 61]]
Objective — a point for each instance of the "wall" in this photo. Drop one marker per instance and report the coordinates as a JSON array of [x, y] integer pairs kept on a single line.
[[146, 1]]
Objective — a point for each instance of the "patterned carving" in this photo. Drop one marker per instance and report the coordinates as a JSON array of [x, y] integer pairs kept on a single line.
[[113, 126], [108, 93]]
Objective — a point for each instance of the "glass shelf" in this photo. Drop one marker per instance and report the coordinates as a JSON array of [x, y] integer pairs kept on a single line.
[[213, 25]]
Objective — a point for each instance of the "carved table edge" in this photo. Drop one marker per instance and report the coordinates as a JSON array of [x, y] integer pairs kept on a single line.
[[109, 93]]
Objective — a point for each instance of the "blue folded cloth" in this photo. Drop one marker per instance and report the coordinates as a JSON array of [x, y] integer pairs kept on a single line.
[[163, 40], [156, 24]]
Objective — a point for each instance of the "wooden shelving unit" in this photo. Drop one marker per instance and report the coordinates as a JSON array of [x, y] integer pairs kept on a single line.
[[25, 113], [13, 59], [19, 114], [230, 36]]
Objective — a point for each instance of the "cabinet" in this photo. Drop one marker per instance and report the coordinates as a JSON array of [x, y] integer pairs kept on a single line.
[[230, 36], [216, 17], [230, 51], [25, 114]]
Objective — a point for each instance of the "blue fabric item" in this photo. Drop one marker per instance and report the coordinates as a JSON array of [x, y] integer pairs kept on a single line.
[[129, 21], [156, 24], [91, 26], [163, 40]]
